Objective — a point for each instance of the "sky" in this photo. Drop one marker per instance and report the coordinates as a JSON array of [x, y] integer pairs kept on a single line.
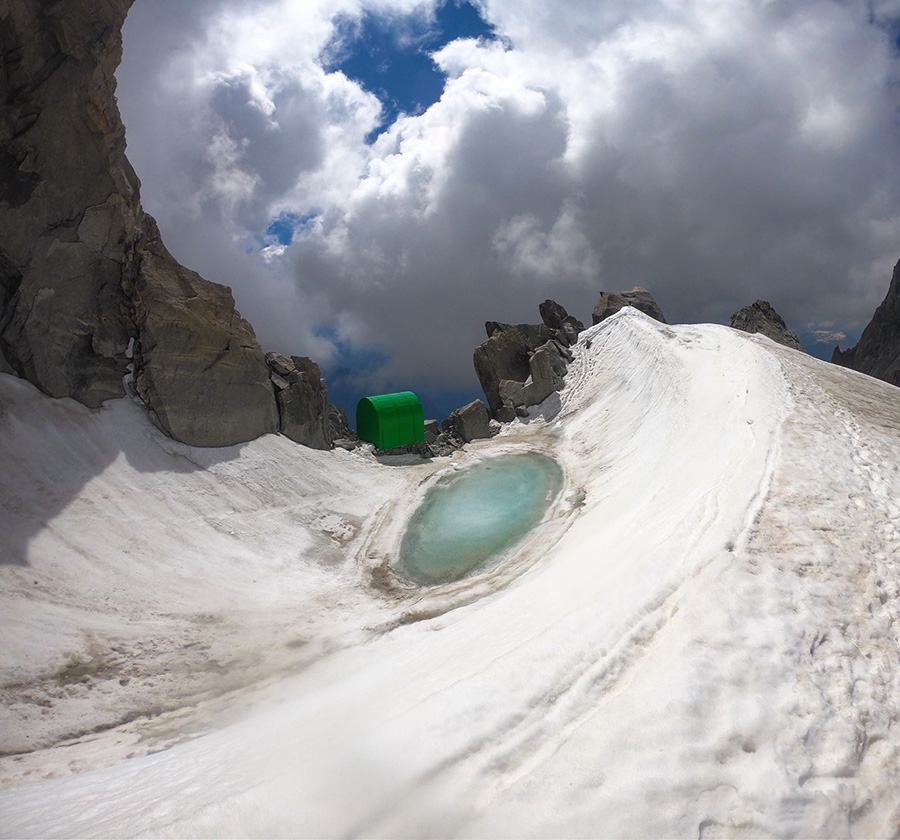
[[377, 178]]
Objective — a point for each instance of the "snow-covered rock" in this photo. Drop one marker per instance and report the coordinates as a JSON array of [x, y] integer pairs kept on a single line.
[[699, 639]]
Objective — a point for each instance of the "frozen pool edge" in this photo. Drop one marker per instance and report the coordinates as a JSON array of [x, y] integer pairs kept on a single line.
[[470, 519]]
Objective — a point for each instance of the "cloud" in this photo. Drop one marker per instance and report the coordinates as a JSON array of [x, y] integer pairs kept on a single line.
[[829, 337], [714, 152]]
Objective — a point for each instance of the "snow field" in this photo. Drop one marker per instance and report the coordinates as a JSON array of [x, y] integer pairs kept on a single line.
[[700, 638]]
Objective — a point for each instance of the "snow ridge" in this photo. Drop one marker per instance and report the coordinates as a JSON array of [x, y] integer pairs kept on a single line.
[[699, 639]]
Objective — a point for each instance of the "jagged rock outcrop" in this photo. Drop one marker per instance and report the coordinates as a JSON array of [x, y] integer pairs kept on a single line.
[[302, 400], [85, 281], [196, 361], [547, 370], [761, 317], [611, 302], [339, 426], [69, 211], [197, 364], [877, 352], [555, 316], [432, 430], [471, 422], [521, 365], [507, 355]]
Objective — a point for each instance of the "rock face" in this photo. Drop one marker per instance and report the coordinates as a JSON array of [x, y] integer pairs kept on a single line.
[[521, 365], [432, 430], [611, 302], [547, 370], [338, 425], [760, 317], [196, 361], [69, 212], [877, 352], [85, 281], [507, 355], [471, 422], [556, 317], [302, 400]]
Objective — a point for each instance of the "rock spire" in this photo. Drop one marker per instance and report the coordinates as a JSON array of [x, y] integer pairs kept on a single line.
[[877, 352], [761, 317]]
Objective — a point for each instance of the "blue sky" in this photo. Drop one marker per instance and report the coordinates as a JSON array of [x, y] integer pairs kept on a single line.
[[390, 55], [282, 227]]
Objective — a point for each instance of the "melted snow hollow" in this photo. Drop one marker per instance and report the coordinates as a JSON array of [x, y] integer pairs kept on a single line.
[[467, 520], [699, 639]]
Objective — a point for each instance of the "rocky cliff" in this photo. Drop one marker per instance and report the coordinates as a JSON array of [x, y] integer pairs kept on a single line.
[[761, 317], [69, 210], [877, 352], [302, 400], [520, 365], [197, 364], [88, 292]]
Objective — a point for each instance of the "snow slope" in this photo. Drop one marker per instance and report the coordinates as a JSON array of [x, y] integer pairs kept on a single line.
[[700, 638]]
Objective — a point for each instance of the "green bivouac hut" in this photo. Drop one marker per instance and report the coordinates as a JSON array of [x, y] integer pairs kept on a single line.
[[390, 420]]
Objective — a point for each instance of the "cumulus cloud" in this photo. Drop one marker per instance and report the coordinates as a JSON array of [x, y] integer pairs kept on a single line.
[[712, 151]]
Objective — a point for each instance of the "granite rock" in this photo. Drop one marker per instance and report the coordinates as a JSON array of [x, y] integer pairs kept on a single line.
[[547, 370], [520, 365], [555, 316], [338, 426], [471, 422], [83, 272], [69, 208], [507, 355], [302, 400], [877, 352], [611, 302], [432, 430], [761, 317], [197, 364]]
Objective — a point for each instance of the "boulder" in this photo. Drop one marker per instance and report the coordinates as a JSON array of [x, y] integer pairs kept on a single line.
[[760, 317], [547, 370], [279, 364], [507, 355], [432, 430], [471, 422], [877, 352], [302, 400], [553, 314], [611, 302], [197, 364], [521, 365], [556, 317], [494, 327]]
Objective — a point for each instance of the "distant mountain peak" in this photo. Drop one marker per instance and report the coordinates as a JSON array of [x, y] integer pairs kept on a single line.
[[761, 317], [877, 352]]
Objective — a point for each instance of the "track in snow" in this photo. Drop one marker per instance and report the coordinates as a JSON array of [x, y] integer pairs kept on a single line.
[[693, 643]]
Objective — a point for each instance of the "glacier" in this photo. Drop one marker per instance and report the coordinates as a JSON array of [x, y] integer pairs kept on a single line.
[[699, 639]]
